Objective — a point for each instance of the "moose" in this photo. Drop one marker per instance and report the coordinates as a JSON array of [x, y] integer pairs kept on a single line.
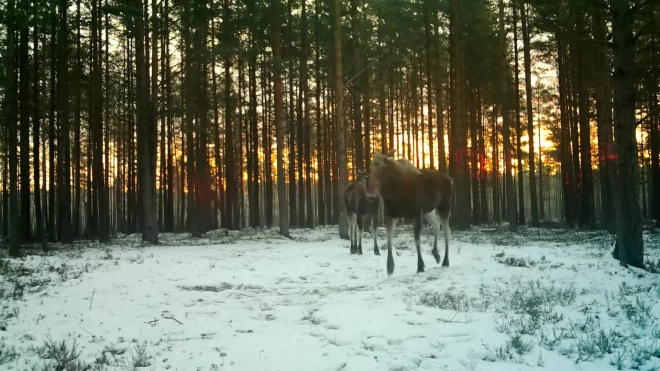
[[359, 206], [411, 193]]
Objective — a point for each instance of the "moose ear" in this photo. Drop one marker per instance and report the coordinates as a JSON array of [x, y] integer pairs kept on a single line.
[[391, 152]]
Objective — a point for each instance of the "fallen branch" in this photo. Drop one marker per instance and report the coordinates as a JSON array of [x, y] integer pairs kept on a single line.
[[92, 299], [322, 334], [153, 322], [451, 320], [174, 319]]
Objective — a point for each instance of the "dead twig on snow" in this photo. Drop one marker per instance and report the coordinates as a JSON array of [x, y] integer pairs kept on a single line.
[[92, 299], [174, 319]]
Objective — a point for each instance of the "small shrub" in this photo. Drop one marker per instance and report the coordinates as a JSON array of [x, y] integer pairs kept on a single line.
[[60, 354], [8, 353], [449, 300], [140, 357]]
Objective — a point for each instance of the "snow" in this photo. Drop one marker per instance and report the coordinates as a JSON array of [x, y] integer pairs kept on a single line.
[[255, 301]]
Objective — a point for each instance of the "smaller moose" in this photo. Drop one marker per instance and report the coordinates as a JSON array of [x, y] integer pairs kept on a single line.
[[359, 206]]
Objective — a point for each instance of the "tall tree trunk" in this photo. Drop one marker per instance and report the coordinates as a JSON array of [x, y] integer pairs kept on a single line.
[[267, 142], [474, 156], [219, 193], [231, 195], [293, 205], [24, 104], [530, 115], [146, 132], [52, 223], [355, 62], [506, 132], [340, 130], [442, 158], [303, 120], [654, 132], [519, 155], [279, 124], [630, 244], [202, 201], [64, 185], [76, 127], [307, 140], [169, 206], [568, 178], [190, 80], [36, 138], [10, 116], [429, 81], [459, 125]]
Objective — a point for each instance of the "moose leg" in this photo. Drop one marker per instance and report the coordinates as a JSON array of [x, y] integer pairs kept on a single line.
[[417, 231], [350, 231], [373, 232], [360, 222], [434, 219], [391, 224], [445, 227]]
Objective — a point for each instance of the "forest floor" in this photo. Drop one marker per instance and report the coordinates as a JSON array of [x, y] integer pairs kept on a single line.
[[252, 300]]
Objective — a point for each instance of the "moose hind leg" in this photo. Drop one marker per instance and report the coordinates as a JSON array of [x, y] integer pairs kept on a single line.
[[417, 231], [373, 232], [360, 222], [391, 224], [434, 219], [351, 230], [445, 227]]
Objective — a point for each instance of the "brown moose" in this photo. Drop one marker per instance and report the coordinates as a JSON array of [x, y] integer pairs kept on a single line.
[[411, 193], [359, 207]]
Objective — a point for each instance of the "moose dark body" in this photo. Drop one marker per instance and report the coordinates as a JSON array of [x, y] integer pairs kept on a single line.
[[411, 193], [360, 207]]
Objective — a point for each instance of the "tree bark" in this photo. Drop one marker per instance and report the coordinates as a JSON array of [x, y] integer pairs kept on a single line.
[[64, 185], [24, 104], [510, 197], [279, 124], [10, 116], [146, 131], [530, 115], [630, 244], [340, 130], [516, 87]]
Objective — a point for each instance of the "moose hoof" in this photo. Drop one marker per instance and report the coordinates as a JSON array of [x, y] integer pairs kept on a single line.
[[436, 255], [445, 263]]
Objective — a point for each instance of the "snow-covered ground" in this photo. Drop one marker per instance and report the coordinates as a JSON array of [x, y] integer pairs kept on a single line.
[[254, 301]]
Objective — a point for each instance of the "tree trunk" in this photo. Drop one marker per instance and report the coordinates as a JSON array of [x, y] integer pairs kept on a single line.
[[340, 130], [307, 140], [630, 244], [279, 124], [293, 205], [530, 115], [506, 133], [64, 185], [459, 125], [521, 192], [355, 62], [52, 224], [442, 158], [146, 130], [568, 178], [10, 116], [24, 104], [36, 139], [429, 81], [654, 132]]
